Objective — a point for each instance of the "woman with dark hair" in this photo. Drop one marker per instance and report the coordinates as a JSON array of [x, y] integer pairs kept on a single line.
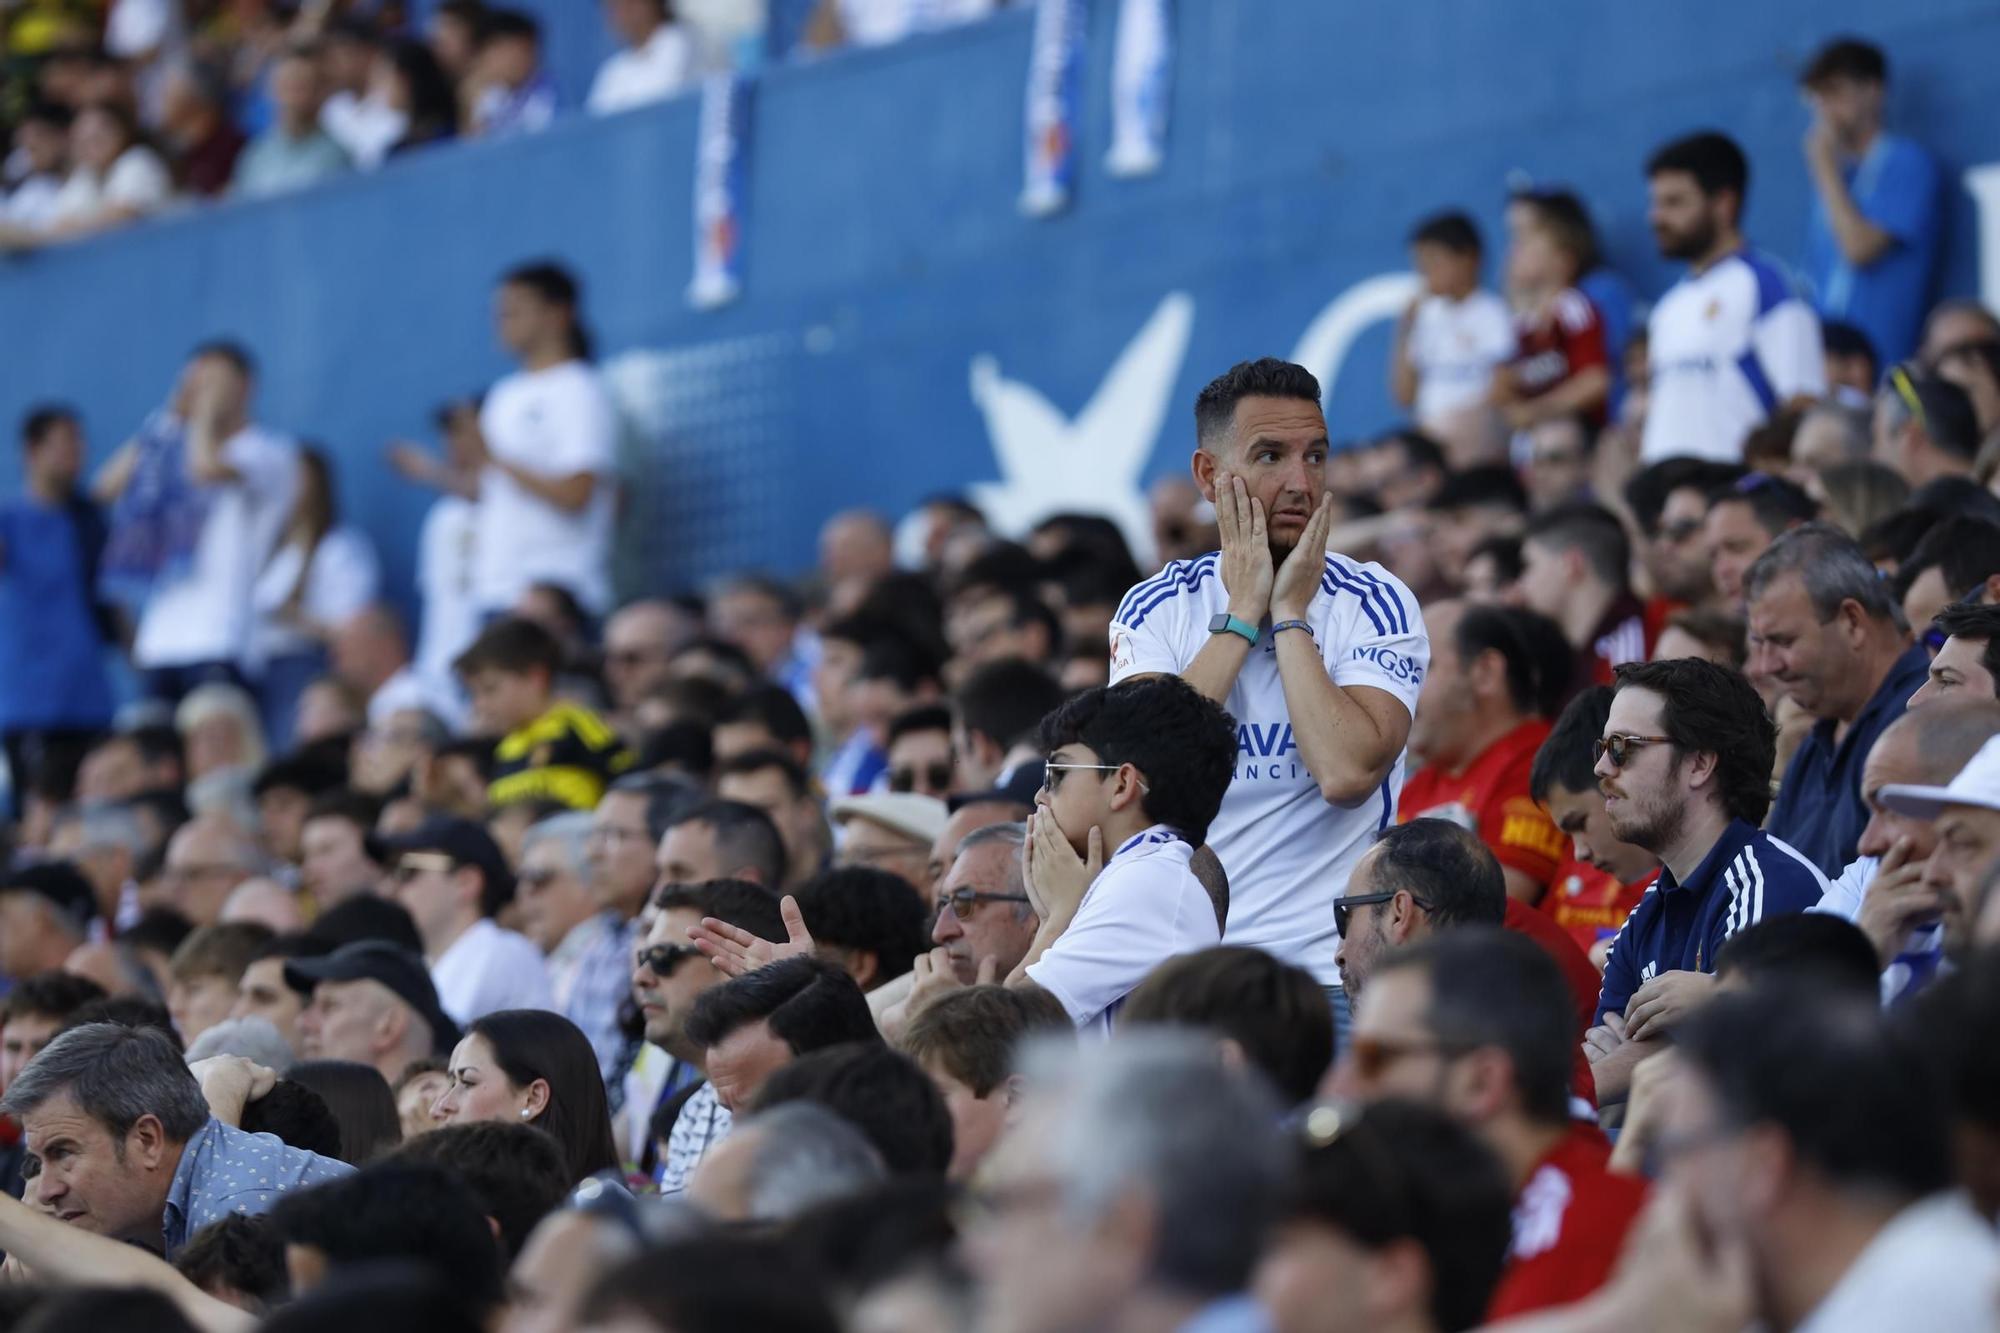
[[535, 1067], [361, 1102], [408, 80]]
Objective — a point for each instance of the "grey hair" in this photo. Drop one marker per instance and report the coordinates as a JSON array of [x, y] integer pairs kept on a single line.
[[219, 699], [109, 824], [1833, 568], [1014, 837], [115, 1075], [255, 1039], [572, 830], [1157, 1112], [805, 1155]]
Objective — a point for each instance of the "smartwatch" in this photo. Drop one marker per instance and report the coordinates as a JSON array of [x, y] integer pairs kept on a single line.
[[1224, 623]]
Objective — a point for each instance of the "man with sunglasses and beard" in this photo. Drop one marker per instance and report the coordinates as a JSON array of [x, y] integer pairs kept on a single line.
[[1684, 765]]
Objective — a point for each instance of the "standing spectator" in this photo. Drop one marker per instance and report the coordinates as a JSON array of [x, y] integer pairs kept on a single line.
[[1564, 216], [53, 689], [114, 178], [196, 121], [452, 879], [356, 115], [448, 543], [199, 499], [408, 83], [1604, 876], [1824, 627], [322, 574], [1561, 366], [1731, 343], [1577, 571], [656, 62], [1873, 233], [510, 94], [1925, 427], [545, 451], [1744, 518], [1498, 675], [295, 151], [1453, 336]]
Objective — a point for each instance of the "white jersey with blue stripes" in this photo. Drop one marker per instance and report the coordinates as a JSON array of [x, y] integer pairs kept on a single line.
[[1287, 852]]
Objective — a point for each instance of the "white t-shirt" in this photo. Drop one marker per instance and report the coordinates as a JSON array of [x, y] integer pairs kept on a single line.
[[206, 615], [1143, 908], [1454, 347], [1936, 1266], [555, 422], [446, 569], [344, 579], [876, 22], [32, 203], [365, 128], [487, 969], [665, 65], [138, 180], [1728, 347], [1287, 852]]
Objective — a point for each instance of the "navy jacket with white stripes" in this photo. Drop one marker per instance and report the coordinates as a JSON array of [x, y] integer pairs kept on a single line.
[[1747, 876]]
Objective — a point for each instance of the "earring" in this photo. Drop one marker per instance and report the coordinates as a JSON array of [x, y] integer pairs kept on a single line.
[[524, 1113]]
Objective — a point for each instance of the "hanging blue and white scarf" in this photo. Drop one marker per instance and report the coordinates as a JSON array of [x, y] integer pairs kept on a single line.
[[1142, 67], [1055, 83]]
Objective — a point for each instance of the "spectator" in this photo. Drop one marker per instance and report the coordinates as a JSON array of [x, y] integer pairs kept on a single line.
[[995, 713], [45, 914], [1824, 627], [639, 640], [1731, 343], [869, 671], [1965, 814], [198, 499], [979, 936], [515, 1171], [1557, 469], [1953, 1026], [1207, 1179], [1471, 508], [34, 172], [920, 757], [360, 1102], [264, 992], [772, 781], [783, 1162], [880, 1092], [764, 717], [239, 1260], [1925, 427], [529, 1065], [1811, 948], [1561, 364], [508, 91], [207, 969], [128, 1148], [1967, 664], [1576, 570], [970, 1043], [404, 1212], [1597, 888], [1958, 560], [865, 920], [711, 1283], [1561, 214], [372, 1002], [1372, 1181], [1704, 632], [1853, 367], [1684, 764], [1453, 336], [1498, 675], [1267, 1015], [1669, 501], [553, 895], [721, 840], [416, 1092], [31, 1014], [114, 178], [1873, 233], [295, 152], [657, 60], [1855, 497], [890, 831], [453, 880], [855, 549], [337, 862], [408, 88], [545, 449], [453, 36], [254, 1039], [1743, 520], [1004, 624], [284, 791], [1831, 434], [547, 746]]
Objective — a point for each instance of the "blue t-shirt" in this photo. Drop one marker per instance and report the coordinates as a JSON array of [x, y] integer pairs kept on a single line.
[[1896, 186], [51, 652]]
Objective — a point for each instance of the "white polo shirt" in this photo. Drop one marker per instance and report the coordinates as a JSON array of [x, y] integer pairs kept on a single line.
[[556, 423], [487, 969], [1455, 346], [1287, 852], [1143, 908]]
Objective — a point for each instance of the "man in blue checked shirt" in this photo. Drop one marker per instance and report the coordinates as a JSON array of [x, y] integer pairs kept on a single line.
[[121, 1142], [1685, 767]]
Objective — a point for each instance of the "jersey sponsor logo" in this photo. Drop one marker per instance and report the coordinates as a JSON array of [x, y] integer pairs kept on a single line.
[[1121, 651], [1267, 752], [1538, 1213], [1393, 664]]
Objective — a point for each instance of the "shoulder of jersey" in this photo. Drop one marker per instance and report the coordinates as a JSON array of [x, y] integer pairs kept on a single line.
[[1768, 279], [1380, 603], [1179, 579], [1574, 311]]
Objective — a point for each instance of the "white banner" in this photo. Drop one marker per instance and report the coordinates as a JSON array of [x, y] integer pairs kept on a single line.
[[1142, 69], [720, 165]]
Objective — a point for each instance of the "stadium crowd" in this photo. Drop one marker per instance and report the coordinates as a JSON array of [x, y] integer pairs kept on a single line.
[[1535, 868]]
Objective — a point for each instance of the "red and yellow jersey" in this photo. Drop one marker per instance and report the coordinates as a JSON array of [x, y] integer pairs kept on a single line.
[[1570, 1221], [1490, 797], [1590, 904]]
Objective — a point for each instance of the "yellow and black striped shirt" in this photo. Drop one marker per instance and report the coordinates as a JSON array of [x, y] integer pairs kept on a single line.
[[567, 754]]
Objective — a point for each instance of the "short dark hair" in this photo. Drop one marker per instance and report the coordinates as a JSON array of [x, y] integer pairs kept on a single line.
[[531, 1044], [241, 1252], [498, 24], [1815, 947], [747, 906], [1839, 338], [871, 910], [1948, 419], [1486, 485], [383, 1295], [298, 1116], [1446, 867], [1566, 218], [1647, 492], [1565, 759], [1491, 986], [399, 1211], [1712, 708], [1539, 661], [1451, 230], [1266, 377], [1777, 504], [810, 1004], [1824, 1068], [1895, 535], [1969, 620], [1712, 158], [1179, 739], [43, 418], [744, 835], [160, 928], [716, 1284], [512, 644], [361, 1103], [665, 796], [357, 808], [220, 950], [1398, 1170], [974, 1034], [54, 995], [115, 1075], [1845, 57], [222, 349], [1964, 550], [775, 708], [797, 781], [1006, 700], [517, 1172], [128, 1011], [1277, 1013], [1505, 553], [882, 1093], [924, 717], [1592, 529], [1714, 628], [363, 917]]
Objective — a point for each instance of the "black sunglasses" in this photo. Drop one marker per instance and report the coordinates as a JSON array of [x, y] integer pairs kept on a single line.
[[936, 777], [1342, 906], [662, 959]]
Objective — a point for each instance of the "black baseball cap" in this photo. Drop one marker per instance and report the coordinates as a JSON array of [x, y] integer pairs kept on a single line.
[[465, 842], [61, 885], [1017, 786], [402, 971]]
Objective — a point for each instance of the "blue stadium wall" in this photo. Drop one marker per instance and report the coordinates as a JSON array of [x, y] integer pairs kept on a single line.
[[903, 327]]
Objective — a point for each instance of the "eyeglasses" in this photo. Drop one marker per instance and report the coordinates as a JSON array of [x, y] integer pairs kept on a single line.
[[1342, 907], [662, 959], [419, 863], [931, 777], [1374, 1055], [1051, 774], [612, 833], [964, 902], [1620, 747], [1906, 389]]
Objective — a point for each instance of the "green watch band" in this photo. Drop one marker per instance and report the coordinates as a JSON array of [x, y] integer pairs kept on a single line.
[[1224, 623]]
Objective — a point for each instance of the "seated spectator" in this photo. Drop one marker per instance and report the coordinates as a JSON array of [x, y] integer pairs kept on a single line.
[[509, 92], [408, 89], [1810, 948], [1452, 338], [1268, 1015], [105, 842], [1954, 1025], [1497, 676], [888, 831], [416, 1092], [919, 750], [1743, 520], [1604, 878], [639, 640], [1831, 435], [517, 1173], [195, 120], [1481, 995], [393, 1212], [765, 717], [1576, 564], [1704, 632], [1967, 664], [1858, 497], [206, 972], [657, 61], [1374, 1180], [1469, 509], [772, 781], [33, 1012], [295, 152], [135, 964], [970, 1042], [1966, 816], [114, 178], [263, 992], [882, 1093], [546, 747], [532, 1066], [372, 1002], [45, 915], [239, 1260], [721, 840], [1925, 427], [291, 1113], [453, 880], [995, 713], [361, 1104], [985, 921], [782, 1162], [152, 1176], [865, 920], [561, 1262], [1957, 561], [1823, 625], [711, 1282]]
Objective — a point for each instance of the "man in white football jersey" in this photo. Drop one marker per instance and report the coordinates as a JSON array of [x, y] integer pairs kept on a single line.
[[1318, 658], [1732, 342]]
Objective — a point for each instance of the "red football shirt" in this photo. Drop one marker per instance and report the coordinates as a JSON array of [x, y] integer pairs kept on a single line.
[[1556, 343], [1590, 904], [1570, 1221], [1585, 983], [1490, 797]]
